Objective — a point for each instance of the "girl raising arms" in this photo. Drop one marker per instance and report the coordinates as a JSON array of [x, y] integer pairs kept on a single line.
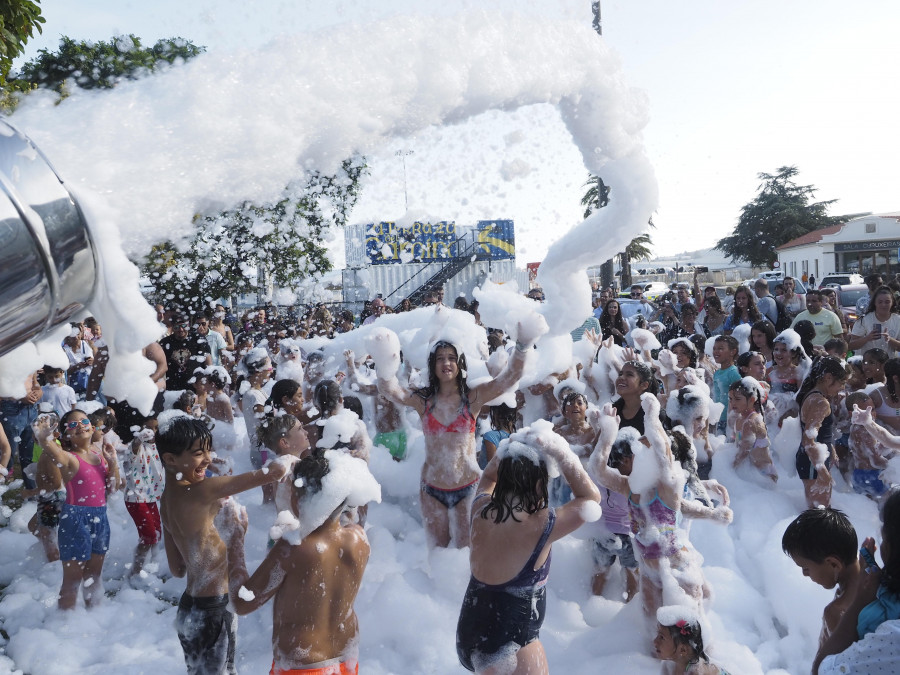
[[448, 409]]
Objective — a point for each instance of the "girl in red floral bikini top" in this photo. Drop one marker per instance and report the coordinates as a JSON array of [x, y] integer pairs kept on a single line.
[[448, 409]]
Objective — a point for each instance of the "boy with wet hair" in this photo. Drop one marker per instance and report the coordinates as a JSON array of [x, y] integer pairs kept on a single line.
[[314, 582], [283, 435], [725, 351], [823, 543], [188, 507], [837, 347]]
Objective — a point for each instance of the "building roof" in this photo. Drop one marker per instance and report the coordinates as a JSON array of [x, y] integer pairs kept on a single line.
[[810, 237]]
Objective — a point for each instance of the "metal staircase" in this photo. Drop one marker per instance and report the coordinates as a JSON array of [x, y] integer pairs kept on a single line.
[[435, 275]]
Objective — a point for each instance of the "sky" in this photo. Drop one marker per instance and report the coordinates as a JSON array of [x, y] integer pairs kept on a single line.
[[732, 89]]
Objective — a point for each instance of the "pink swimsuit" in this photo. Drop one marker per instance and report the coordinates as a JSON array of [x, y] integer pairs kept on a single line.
[[88, 486]]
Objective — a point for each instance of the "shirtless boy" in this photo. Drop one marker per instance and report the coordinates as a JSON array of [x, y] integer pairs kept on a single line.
[[188, 507], [823, 543], [315, 629]]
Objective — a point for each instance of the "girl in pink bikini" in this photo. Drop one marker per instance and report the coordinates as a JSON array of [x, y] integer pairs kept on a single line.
[[448, 409], [88, 474]]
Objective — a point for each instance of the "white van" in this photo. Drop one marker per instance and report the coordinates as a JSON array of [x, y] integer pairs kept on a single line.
[[775, 274]]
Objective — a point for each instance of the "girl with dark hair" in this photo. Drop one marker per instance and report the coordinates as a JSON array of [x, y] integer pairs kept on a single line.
[[748, 427], [210, 386], [352, 434], [886, 398], [503, 423], [616, 542], [689, 407], [635, 378], [762, 339], [257, 366], [665, 560], [89, 474], [613, 324], [816, 452], [580, 435], [793, 303], [448, 409], [879, 326], [714, 321], [685, 352], [686, 357], [743, 310], [786, 373], [680, 639], [287, 395], [807, 333], [753, 364], [704, 361], [512, 531]]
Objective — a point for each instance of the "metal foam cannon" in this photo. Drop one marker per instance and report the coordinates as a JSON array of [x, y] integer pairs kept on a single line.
[[48, 262]]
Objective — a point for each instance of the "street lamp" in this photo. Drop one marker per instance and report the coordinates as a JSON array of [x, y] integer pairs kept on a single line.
[[403, 154]]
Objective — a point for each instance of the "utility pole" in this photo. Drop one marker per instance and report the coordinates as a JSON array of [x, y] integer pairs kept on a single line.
[[595, 8], [607, 276], [403, 154]]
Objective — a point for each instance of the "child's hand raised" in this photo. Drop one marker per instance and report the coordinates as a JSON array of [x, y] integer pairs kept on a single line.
[[44, 429], [281, 466], [714, 486], [608, 424], [231, 519], [864, 416], [109, 452]]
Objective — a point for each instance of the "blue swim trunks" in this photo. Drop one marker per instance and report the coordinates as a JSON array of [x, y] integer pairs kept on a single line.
[[83, 531], [868, 482]]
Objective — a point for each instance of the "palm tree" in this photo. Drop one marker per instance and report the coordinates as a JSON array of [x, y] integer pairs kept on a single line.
[[596, 197]]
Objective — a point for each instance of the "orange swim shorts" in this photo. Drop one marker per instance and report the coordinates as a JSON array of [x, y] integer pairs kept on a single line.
[[336, 668]]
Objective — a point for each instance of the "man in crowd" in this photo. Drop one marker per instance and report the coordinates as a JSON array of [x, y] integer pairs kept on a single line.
[[185, 351], [765, 303], [825, 321]]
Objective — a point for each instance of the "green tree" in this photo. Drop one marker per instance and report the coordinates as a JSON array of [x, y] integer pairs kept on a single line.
[[781, 211], [102, 65], [227, 252], [596, 197], [18, 19], [282, 240]]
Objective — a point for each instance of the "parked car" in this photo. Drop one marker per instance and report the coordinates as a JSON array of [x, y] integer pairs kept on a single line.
[[799, 288], [651, 291], [847, 295], [840, 280]]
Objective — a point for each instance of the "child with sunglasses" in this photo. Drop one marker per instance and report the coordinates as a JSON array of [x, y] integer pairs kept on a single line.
[[88, 473]]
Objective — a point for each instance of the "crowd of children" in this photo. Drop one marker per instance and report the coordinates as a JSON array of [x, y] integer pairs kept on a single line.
[[650, 422]]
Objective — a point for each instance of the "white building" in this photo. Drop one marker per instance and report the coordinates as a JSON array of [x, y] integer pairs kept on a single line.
[[862, 245]]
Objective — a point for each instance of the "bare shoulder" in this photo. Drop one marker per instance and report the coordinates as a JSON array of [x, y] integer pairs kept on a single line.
[[354, 536], [758, 424], [816, 406], [833, 612]]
